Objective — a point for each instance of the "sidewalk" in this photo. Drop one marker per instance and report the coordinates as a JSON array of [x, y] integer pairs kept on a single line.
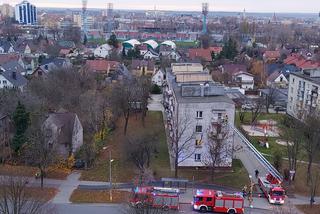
[[66, 189]]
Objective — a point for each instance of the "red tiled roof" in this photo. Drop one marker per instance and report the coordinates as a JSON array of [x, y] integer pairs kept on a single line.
[[272, 54], [4, 58], [101, 65], [301, 62], [203, 53]]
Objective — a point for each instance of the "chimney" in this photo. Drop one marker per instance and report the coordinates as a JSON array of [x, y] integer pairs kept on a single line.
[[14, 75], [202, 90]]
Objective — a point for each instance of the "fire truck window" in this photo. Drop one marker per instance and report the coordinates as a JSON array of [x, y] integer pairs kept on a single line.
[[199, 199], [238, 204], [167, 201], [158, 200], [209, 199], [174, 201], [277, 193], [228, 203], [219, 203]]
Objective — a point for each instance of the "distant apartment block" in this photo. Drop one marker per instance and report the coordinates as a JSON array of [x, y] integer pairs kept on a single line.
[[196, 104], [303, 96], [26, 13]]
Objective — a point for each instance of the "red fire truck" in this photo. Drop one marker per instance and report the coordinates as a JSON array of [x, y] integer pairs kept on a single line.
[[157, 197], [272, 189], [217, 201]]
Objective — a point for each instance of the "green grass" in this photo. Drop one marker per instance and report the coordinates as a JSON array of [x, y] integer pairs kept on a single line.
[[262, 116], [184, 44]]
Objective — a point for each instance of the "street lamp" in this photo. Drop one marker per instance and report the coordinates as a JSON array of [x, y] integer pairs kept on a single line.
[[110, 169]]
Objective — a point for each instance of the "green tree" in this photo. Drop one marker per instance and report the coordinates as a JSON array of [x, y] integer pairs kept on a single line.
[[113, 41], [21, 119], [229, 50]]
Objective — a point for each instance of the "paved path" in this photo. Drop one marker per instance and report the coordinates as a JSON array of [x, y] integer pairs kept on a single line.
[[66, 188], [155, 103]]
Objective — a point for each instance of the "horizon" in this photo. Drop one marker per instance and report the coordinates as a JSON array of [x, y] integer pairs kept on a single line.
[[190, 5]]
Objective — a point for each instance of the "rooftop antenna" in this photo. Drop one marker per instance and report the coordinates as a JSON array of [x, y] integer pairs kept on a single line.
[[205, 11]]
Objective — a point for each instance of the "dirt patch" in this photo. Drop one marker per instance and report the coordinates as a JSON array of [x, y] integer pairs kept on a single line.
[[315, 209]]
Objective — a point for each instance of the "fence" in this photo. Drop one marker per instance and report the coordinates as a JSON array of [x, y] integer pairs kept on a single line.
[[259, 156]]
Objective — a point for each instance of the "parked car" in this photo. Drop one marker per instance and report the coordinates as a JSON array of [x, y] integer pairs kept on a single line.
[[79, 164], [247, 106], [279, 108]]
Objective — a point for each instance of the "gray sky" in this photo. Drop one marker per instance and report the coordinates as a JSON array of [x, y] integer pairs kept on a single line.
[[190, 5]]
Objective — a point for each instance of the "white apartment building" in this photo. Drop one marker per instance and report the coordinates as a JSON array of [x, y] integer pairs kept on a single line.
[[198, 105], [303, 93]]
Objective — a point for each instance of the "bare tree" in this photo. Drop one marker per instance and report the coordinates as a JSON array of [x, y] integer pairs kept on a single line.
[[312, 145], [144, 86], [314, 182], [14, 198], [139, 149], [217, 146], [270, 97], [179, 145], [256, 111], [242, 115], [39, 151], [294, 138]]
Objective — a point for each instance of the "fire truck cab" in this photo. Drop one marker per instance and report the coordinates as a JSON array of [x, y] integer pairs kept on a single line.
[[157, 197], [217, 201], [272, 189]]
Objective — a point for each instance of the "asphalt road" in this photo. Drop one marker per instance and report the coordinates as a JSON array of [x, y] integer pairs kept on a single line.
[[116, 209]]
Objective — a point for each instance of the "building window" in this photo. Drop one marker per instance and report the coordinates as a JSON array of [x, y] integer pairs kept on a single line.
[[199, 129], [197, 157], [291, 99], [199, 114], [293, 80], [291, 90], [4, 82], [281, 79], [219, 116], [198, 142]]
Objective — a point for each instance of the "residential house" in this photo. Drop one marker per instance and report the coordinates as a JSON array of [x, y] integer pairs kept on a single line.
[[101, 66], [64, 132], [6, 47], [301, 62], [5, 138], [198, 108], [303, 95], [142, 67], [169, 52], [271, 55], [102, 51], [52, 64], [4, 58], [158, 78], [277, 79], [243, 79], [203, 54], [150, 54], [11, 77]]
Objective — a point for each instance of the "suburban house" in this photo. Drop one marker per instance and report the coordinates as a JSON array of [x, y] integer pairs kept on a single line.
[[158, 78], [271, 55], [142, 67], [52, 64], [243, 79], [203, 54], [5, 138], [303, 95], [64, 132], [101, 66], [195, 107], [277, 79], [102, 51], [6, 47], [169, 52], [150, 54], [11, 77]]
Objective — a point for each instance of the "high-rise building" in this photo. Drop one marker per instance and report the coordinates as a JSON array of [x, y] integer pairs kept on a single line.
[[26, 13], [6, 10]]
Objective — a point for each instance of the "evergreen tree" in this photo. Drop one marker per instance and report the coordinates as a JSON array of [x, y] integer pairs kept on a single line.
[[229, 50], [113, 41], [21, 119], [85, 40]]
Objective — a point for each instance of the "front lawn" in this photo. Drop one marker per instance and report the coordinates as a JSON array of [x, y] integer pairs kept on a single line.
[[99, 196]]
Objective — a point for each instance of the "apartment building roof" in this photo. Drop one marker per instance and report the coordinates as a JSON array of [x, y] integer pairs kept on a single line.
[[315, 80]]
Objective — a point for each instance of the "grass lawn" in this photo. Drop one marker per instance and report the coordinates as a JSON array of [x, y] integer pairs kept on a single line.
[[262, 116], [191, 44], [28, 171], [44, 194], [315, 209], [99, 196]]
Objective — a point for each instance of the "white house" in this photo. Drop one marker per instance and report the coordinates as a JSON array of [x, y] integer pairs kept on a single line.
[[244, 79], [102, 51], [158, 78], [277, 79], [151, 55]]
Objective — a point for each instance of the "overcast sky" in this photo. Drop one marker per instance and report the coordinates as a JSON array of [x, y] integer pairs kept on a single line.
[[302, 6]]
